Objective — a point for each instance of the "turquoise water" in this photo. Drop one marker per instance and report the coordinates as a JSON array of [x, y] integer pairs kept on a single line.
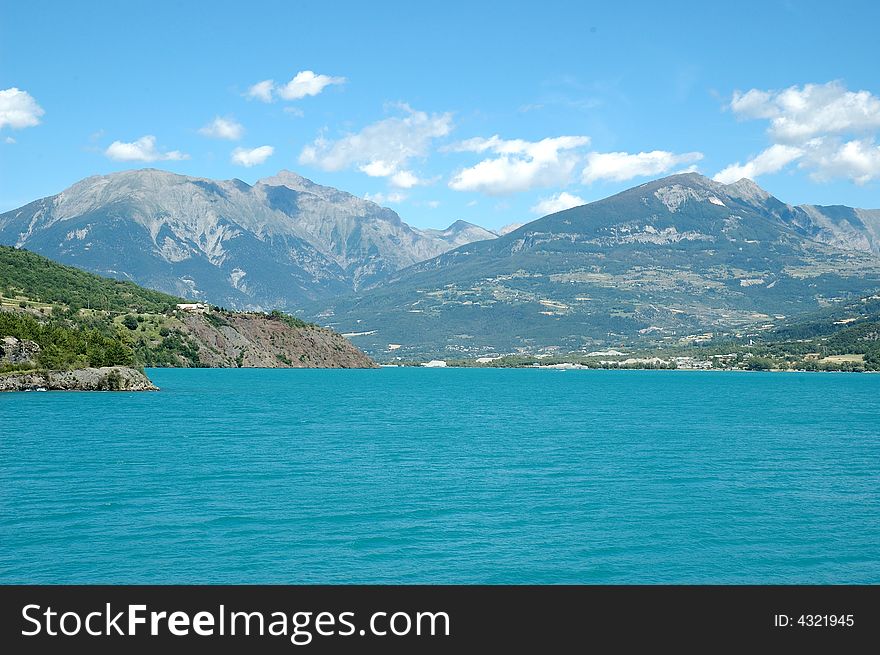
[[445, 476]]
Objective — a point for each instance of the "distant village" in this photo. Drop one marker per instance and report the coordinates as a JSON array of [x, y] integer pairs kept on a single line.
[[692, 353]]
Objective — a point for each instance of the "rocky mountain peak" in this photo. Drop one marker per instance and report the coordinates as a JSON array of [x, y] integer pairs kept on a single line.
[[747, 190], [674, 190], [292, 181], [460, 233], [462, 226], [508, 228], [278, 243]]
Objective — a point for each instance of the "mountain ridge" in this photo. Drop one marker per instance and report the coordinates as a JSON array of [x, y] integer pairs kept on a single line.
[[676, 255], [278, 243], [682, 253]]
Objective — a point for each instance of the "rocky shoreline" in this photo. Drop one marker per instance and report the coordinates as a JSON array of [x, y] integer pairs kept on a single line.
[[108, 378]]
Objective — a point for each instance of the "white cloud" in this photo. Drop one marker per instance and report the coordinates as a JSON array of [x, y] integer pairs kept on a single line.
[[557, 203], [771, 160], [519, 166], [383, 198], [18, 109], [251, 156], [830, 131], [753, 104], [304, 83], [382, 149], [621, 166], [294, 111], [799, 114], [432, 204], [144, 149], [405, 180], [377, 168], [307, 83], [9, 140], [262, 91], [402, 179], [223, 128], [693, 168], [858, 160]]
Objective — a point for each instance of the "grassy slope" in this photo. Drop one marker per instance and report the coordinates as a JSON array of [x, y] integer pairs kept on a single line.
[[44, 282], [81, 319]]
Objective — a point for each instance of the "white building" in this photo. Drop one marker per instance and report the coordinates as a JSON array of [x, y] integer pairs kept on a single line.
[[193, 307]]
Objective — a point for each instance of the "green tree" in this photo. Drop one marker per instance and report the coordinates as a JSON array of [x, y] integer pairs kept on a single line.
[[760, 364]]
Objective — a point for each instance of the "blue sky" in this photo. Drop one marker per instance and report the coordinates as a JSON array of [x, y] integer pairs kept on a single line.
[[493, 113]]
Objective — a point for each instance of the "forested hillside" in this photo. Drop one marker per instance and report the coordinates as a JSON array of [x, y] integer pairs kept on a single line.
[[59, 317]]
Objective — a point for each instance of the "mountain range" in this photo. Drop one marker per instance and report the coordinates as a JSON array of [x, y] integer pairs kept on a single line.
[[669, 259], [277, 244], [678, 257]]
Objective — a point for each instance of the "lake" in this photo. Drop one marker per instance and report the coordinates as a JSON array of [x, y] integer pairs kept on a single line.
[[445, 476]]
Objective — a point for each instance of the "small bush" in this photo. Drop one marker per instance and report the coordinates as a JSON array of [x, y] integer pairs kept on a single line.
[[113, 381]]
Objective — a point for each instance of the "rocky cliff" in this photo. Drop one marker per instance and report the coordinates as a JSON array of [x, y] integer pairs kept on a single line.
[[263, 341], [18, 351], [108, 378]]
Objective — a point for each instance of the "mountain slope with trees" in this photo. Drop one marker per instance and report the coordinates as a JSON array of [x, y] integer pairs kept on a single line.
[[58, 317], [677, 256]]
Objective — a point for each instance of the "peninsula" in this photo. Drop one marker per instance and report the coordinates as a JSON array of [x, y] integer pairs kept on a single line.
[[63, 328]]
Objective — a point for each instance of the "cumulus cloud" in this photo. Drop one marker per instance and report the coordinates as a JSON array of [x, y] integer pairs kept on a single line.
[[307, 83], [383, 198], [771, 160], [797, 114], [18, 109], [251, 156], [262, 91], [828, 130], [382, 149], [621, 166], [858, 160], [223, 128], [519, 165], [144, 149], [557, 203], [405, 180], [376, 168], [303, 84]]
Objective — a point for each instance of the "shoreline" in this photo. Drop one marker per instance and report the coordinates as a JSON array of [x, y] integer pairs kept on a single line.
[[575, 367], [106, 378]]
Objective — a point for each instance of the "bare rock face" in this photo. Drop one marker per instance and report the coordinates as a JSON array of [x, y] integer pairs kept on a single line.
[[108, 378], [18, 351], [259, 341]]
